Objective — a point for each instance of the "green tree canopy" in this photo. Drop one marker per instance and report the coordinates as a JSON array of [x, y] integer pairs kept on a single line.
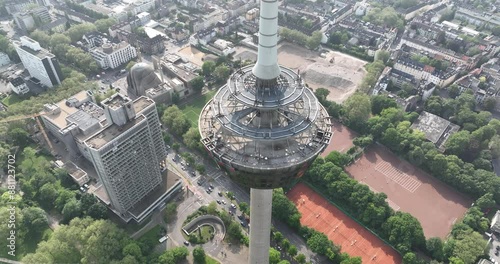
[[199, 255]]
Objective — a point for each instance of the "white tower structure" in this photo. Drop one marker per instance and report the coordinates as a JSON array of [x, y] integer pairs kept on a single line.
[[265, 127]]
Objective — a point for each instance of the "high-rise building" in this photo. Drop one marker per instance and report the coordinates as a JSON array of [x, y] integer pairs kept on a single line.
[[265, 127], [40, 63], [124, 143], [127, 153]]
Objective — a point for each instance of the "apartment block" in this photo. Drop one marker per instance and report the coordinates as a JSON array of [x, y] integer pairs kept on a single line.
[[113, 55], [40, 63]]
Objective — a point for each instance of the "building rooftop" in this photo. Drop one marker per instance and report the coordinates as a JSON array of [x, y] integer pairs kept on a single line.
[[115, 101], [170, 179], [74, 171], [106, 135], [436, 129], [142, 103], [60, 118], [41, 54], [17, 82]]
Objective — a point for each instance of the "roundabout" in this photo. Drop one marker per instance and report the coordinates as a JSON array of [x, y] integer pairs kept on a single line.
[[203, 229]]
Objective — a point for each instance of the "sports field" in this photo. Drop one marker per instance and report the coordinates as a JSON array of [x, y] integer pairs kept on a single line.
[[341, 139], [192, 108], [436, 205], [354, 239]]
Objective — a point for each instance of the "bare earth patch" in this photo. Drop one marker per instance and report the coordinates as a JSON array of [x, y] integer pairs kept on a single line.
[[341, 76]]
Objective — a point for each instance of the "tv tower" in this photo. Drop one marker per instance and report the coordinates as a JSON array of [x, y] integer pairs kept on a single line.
[[265, 127]]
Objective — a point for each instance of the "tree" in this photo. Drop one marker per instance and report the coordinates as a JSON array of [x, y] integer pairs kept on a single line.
[[381, 102], [357, 109], [34, 220], [208, 68], [404, 232], [192, 138], [47, 195], [410, 258], [469, 246], [199, 255], [454, 91], [98, 211], [59, 39], [489, 104], [434, 246], [176, 146], [221, 72], [244, 208], [132, 249], [274, 256], [86, 201], [314, 40], [319, 243], [170, 211], [76, 32], [457, 143], [292, 251], [19, 137], [71, 210], [486, 201], [103, 25], [197, 83], [234, 231], [83, 240], [301, 258], [382, 55], [212, 208]]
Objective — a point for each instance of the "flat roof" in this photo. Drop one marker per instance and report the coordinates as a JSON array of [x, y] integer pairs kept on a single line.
[[59, 119], [111, 132], [432, 125], [75, 171], [41, 54], [170, 179], [142, 103], [115, 101]]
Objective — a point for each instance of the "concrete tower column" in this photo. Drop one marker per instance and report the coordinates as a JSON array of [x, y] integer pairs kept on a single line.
[[267, 67], [260, 229]]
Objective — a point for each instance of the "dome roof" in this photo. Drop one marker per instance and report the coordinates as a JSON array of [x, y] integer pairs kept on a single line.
[[142, 77]]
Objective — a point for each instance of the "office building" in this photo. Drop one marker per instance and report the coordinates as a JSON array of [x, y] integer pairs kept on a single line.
[[40, 63]]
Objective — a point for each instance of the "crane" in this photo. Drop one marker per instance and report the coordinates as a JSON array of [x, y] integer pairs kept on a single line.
[[38, 122]]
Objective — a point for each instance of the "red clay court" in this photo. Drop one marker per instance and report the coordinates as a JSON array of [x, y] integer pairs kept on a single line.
[[355, 240], [436, 205], [341, 139]]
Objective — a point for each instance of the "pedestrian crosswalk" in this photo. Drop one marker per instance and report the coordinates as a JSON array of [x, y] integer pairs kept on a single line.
[[401, 178]]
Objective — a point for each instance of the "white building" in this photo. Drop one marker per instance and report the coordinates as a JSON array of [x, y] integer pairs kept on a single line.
[[4, 59], [113, 55], [40, 63], [18, 86]]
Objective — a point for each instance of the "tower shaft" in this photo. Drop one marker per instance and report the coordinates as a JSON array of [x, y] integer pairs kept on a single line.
[[266, 69], [261, 201]]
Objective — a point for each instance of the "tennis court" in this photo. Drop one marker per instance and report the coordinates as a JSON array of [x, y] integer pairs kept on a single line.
[[353, 238]]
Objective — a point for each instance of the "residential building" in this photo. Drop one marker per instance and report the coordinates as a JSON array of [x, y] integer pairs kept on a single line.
[[478, 19], [24, 21], [18, 86], [58, 25], [123, 142], [40, 63], [111, 55], [127, 155], [4, 59], [436, 129]]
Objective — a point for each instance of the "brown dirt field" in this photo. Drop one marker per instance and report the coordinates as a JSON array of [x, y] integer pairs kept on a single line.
[[341, 139], [192, 54], [353, 238], [436, 205], [341, 77]]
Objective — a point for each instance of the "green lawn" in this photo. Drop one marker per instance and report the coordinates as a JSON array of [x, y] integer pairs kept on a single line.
[[206, 232], [209, 260], [12, 99], [193, 109], [153, 234]]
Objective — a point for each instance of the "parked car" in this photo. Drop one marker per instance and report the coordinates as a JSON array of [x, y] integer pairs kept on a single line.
[[186, 243]]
